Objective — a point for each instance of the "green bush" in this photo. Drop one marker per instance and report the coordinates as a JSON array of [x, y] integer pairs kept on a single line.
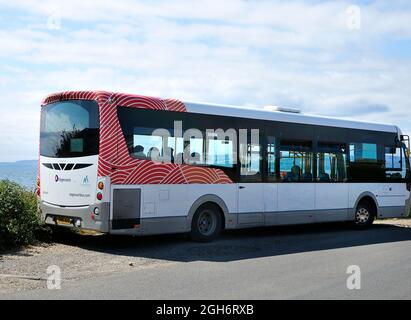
[[20, 222]]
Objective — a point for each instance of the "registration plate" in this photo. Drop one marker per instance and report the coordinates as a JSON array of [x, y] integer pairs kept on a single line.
[[63, 220]]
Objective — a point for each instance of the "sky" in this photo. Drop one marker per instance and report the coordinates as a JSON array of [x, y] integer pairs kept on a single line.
[[333, 58]]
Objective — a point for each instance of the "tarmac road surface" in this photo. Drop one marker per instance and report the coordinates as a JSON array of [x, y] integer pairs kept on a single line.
[[305, 262]]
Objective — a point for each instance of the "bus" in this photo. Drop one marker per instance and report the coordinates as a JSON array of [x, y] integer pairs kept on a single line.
[[137, 165]]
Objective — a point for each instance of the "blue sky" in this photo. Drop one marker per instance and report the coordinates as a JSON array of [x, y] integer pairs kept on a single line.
[[337, 58]]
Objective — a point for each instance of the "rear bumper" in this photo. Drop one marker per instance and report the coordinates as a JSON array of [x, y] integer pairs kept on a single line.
[[408, 206], [50, 213]]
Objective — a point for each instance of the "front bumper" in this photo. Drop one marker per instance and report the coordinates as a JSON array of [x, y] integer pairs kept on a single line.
[[50, 214]]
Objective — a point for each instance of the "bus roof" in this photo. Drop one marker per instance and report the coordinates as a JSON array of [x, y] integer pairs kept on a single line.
[[262, 114], [236, 111]]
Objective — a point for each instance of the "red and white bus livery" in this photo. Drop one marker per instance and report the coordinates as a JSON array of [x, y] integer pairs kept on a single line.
[[130, 164]]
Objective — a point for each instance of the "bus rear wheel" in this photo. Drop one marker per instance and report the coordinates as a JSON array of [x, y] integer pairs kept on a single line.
[[206, 224], [364, 215]]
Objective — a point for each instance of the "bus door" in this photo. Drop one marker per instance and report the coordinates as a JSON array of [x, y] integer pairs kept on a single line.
[[250, 188], [332, 191], [296, 190]]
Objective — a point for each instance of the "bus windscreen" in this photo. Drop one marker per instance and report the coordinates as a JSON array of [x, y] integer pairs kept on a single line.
[[69, 129]]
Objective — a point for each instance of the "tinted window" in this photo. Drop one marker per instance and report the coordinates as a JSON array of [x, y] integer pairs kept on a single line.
[[250, 166], [220, 151], [296, 161], [271, 159], [393, 158], [331, 162], [358, 156], [250, 158], [363, 152], [69, 129], [156, 145], [365, 164], [395, 165], [177, 138]]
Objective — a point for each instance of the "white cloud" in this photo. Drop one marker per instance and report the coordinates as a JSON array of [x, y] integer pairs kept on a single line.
[[240, 52]]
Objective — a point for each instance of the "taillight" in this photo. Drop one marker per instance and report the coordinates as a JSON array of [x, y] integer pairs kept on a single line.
[[100, 185], [99, 196]]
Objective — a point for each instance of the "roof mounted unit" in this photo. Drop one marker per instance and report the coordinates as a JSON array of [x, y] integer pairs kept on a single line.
[[281, 109]]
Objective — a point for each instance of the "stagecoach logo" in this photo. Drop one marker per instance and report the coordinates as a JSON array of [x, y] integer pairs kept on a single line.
[[85, 180], [58, 179]]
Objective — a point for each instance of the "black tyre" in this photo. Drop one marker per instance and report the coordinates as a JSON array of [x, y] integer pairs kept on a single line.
[[206, 224], [364, 215]]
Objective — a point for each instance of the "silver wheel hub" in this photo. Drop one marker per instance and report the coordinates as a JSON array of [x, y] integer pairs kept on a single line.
[[362, 215]]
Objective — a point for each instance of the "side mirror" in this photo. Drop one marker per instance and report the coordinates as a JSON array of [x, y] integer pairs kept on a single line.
[[406, 139]]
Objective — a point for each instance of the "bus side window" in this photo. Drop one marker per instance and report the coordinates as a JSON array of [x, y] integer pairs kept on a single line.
[[394, 168], [271, 161], [195, 151], [145, 145], [149, 144], [250, 160], [331, 162], [365, 165], [175, 149], [296, 161], [363, 152], [219, 151]]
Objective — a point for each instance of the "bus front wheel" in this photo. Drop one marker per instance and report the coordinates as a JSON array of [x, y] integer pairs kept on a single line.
[[206, 224]]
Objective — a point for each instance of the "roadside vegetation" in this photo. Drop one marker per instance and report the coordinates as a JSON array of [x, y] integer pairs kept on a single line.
[[20, 222]]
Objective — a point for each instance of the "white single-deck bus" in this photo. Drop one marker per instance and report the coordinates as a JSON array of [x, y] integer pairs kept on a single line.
[[136, 165]]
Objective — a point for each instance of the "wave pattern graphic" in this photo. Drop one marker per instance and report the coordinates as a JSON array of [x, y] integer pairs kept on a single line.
[[115, 160]]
